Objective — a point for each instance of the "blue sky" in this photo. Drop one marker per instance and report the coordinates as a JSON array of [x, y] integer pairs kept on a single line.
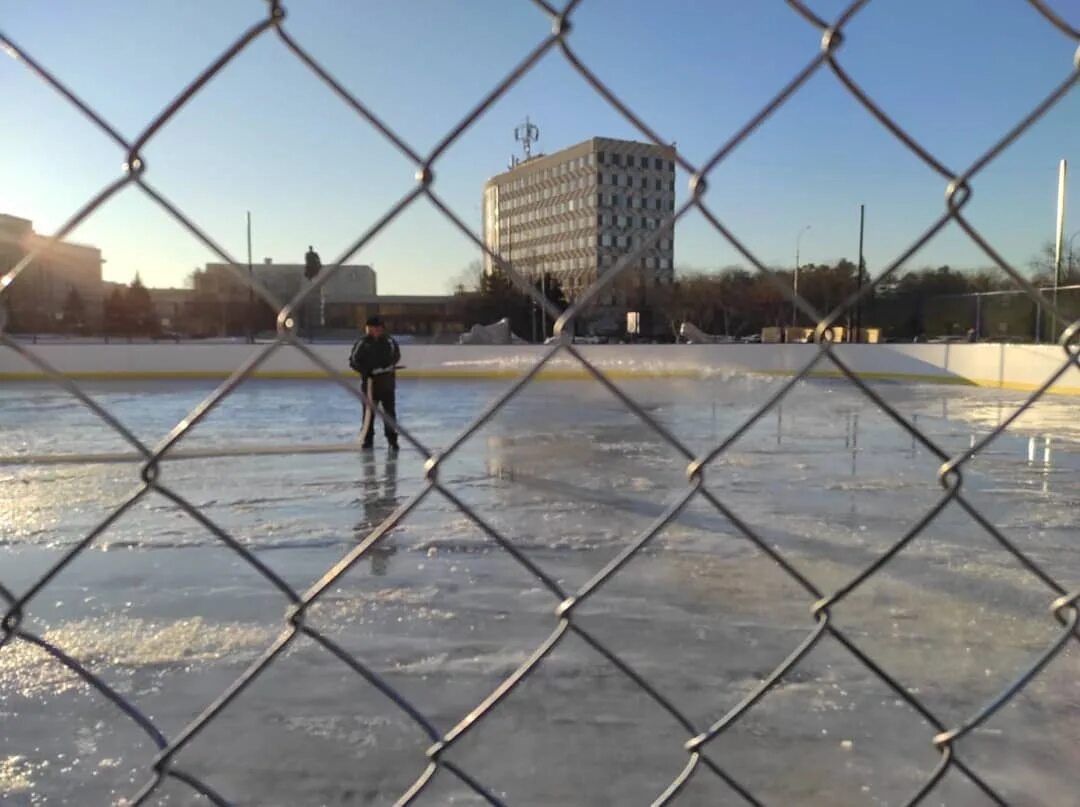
[[267, 136]]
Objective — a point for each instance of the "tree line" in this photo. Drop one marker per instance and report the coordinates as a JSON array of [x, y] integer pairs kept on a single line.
[[735, 301], [929, 301], [483, 298]]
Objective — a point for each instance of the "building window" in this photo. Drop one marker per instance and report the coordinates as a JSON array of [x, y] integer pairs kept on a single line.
[[656, 164], [672, 186], [603, 161], [670, 165], [658, 184], [617, 160], [650, 263], [671, 204], [665, 263], [605, 240]]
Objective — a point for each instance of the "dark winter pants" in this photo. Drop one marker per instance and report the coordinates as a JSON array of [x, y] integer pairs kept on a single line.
[[381, 390]]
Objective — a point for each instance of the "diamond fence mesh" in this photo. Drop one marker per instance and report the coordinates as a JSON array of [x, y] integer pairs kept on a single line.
[[1001, 315], [947, 739]]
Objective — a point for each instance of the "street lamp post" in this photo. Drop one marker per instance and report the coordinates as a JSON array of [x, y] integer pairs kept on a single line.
[[795, 285], [859, 278], [251, 286], [1059, 242]]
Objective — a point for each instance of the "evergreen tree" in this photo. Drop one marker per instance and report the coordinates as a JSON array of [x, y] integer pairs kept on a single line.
[[142, 317], [74, 311], [117, 320]]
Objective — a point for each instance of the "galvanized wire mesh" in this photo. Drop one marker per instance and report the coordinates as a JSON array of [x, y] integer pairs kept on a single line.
[[947, 739]]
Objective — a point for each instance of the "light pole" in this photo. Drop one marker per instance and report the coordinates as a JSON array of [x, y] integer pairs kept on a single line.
[[795, 286], [859, 276], [1059, 240], [251, 287]]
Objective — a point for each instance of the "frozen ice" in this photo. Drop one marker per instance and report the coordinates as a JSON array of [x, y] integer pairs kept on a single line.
[[169, 615]]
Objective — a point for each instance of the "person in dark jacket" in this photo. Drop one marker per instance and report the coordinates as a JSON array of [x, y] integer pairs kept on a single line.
[[376, 356]]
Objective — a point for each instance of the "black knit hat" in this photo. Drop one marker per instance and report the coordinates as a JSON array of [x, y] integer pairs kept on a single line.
[[374, 322]]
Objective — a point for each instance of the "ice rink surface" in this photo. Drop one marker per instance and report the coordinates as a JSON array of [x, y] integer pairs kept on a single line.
[[169, 616]]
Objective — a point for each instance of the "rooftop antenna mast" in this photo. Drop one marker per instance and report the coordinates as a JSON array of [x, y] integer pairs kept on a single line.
[[526, 134]]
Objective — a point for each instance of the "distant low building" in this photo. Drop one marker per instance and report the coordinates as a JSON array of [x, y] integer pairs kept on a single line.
[[173, 308], [60, 291], [223, 299], [350, 283], [220, 303], [419, 315]]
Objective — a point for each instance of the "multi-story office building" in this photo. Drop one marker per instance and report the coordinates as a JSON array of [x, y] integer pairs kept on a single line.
[[575, 213], [39, 296]]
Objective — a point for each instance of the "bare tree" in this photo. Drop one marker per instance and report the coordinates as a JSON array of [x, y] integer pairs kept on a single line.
[[468, 279]]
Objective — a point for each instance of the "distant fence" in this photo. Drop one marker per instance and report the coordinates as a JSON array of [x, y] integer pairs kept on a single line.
[[1011, 314]]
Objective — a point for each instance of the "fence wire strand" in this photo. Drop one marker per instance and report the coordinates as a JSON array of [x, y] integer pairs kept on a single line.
[[559, 39]]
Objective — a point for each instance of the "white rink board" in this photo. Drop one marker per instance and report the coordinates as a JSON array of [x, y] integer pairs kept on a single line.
[[1016, 367]]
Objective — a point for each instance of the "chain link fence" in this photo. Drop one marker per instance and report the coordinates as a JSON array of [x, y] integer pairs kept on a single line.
[[1001, 315], [699, 735]]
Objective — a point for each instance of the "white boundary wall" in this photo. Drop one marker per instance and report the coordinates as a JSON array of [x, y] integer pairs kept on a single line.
[[1019, 367]]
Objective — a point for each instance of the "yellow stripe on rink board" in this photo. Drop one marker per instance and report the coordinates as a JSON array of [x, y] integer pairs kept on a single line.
[[552, 374]]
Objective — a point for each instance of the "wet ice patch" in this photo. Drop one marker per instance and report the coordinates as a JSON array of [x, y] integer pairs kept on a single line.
[[479, 664], [356, 732], [125, 643], [338, 610], [15, 775]]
